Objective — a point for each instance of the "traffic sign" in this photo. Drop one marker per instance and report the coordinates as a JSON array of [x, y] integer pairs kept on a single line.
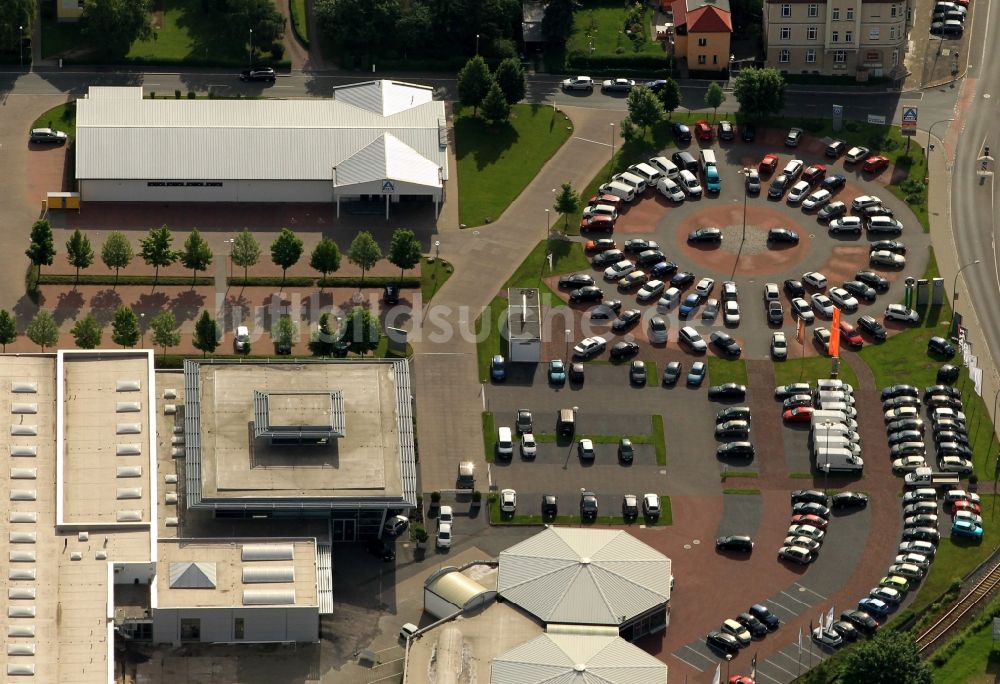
[[388, 187], [909, 125]]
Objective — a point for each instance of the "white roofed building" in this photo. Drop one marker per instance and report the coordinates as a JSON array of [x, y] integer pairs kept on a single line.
[[369, 140]]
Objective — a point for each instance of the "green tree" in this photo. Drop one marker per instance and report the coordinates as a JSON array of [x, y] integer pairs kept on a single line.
[[361, 330], [510, 77], [714, 97], [670, 96], [628, 130], [494, 105], [644, 108], [284, 335], [14, 14], [567, 202], [79, 253], [238, 17], [42, 248], [474, 83], [155, 250], [323, 340], [286, 250], [557, 22], [413, 27], [116, 252], [404, 250], [166, 333], [87, 332], [325, 258], [42, 330], [360, 28], [364, 252], [125, 327], [8, 328], [246, 251], [111, 26], [888, 658], [760, 91], [196, 255], [207, 335]]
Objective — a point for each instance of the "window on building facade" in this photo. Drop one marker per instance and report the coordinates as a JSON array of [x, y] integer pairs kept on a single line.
[[848, 36], [811, 33], [892, 33], [850, 14], [892, 11], [784, 56], [836, 14], [786, 10], [835, 37], [701, 59], [813, 10], [702, 42], [895, 57], [786, 33], [810, 56], [840, 56], [715, 59]]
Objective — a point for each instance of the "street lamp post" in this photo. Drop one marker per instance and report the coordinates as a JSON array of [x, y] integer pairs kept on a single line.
[[477, 45], [548, 223], [230, 242], [611, 170], [142, 330], [927, 151], [954, 297], [20, 44], [994, 433], [569, 336], [437, 249], [251, 48]]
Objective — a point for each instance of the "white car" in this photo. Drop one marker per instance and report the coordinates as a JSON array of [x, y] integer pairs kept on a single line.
[[443, 540], [704, 287], [669, 300], [845, 224], [955, 464], [771, 292], [241, 341], [619, 270], [865, 201], [793, 168], [798, 192], [589, 347], [816, 200], [508, 501], [667, 167], [600, 210], [843, 299], [446, 515], [959, 515], [813, 533], [822, 305], [898, 312], [650, 291], [901, 413], [657, 330], [779, 345], [800, 308], [884, 257], [670, 190], [822, 336], [731, 314], [907, 464], [529, 447], [583, 83], [814, 279], [690, 336], [651, 505], [856, 154], [619, 85]]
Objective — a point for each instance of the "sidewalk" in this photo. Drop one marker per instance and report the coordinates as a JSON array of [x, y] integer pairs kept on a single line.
[[449, 396]]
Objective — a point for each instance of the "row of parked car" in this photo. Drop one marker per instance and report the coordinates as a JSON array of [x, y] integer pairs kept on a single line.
[[906, 431], [948, 18]]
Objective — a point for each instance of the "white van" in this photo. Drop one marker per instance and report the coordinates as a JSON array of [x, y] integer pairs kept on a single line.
[[823, 429], [670, 190], [505, 443], [625, 192], [690, 183], [707, 159], [668, 168], [637, 183], [822, 444], [646, 172], [829, 460], [825, 397], [833, 384], [839, 406]]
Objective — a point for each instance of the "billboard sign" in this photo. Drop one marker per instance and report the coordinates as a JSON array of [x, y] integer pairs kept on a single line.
[[909, 124]]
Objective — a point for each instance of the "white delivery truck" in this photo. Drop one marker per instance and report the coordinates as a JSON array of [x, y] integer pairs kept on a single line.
[[835, 442], [837, 429], [925, 477], [830, 460]]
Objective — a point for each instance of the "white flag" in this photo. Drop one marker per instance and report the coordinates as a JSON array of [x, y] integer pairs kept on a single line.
[[829, 618], [800, 638], [717, 679]]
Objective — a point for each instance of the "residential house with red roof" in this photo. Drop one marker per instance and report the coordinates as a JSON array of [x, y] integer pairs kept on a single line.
[[702, 33]]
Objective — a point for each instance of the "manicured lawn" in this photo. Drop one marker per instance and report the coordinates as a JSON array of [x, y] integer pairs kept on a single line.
[[726, 370], [741, 491], [61, 117], [495, 163], [811, 369], [659, 440], [299, 21], [489, 435], [433, 274], [970, 662], [601, 24]]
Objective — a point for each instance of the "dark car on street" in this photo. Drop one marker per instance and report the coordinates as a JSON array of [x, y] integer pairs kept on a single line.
[[748, 132], [576, 280], [860, 290], [782, 235], [624, 350], [948, 373], [681, 132], [734, 542], [872, 279], [588, 506], [728, 391], [671, 373], [705, 235], [778, 186], [390, 294], [720, 641], [265, 74], [834, 182], [606, 310], [849, 500], [725, 343], [831, 211], [550, 506], [795, 288], [864, 622], [757, 628], [809, 496], [940, 346], [682, 279], [626, 320], [763, 613], [590, 293]]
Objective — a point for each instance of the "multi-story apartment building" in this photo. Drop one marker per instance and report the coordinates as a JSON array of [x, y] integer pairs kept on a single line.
[[860, 38]]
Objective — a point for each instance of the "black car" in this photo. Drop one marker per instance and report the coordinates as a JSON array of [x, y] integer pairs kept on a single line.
[[748, 133], [729, 391], [735, 542], [726, 130], [725, 343], [720, 641], [893, 391], [662, 269], [940, 346], [576, 372], [637, 372], [947, 390], [834, 182], [864, 622], [775, 314], [850, 500], [685, 160], [778, 186], [948, 373], [762, 613], [390, 294], [612, 256], [846, 630], [638, 245], [650, 257], [681, 132], [921, 534], [831, 211], [576, 280], [782, 235], [810, 508], [810, 496], [682, 279], [550, 506], [47, 136], [626, 452], [735, 450], [795, 288], [872, 279], [793, 137], [265, 74], [590, 293], [624, 350], [626, 320], [758, 630], [876, 210], [872, 327], [671, 373], [588, 506], [705, 235], [860, 290], [835, 149], [606, 310]]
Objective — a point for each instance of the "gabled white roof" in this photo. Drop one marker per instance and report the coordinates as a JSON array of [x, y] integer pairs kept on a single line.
[[583, 576], [577, 659], [387, 158], [192, 575], [384, 97]]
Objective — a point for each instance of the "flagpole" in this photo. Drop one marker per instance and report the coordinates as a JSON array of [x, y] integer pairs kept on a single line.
[[799, 672]]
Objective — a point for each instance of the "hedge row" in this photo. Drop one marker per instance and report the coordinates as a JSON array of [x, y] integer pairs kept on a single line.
[[93, 59], [62, 279], [644, 63], [263, 281], [298, 30]]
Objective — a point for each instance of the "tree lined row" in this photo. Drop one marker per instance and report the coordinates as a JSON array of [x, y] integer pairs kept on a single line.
[[492, 93]]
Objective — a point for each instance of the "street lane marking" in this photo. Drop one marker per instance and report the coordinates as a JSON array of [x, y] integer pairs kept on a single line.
[[807, 605], [821, 597], [686, 662], [596, 142], [764, 674], [794, 660], [700, 654], [787, 610], [773, 664]]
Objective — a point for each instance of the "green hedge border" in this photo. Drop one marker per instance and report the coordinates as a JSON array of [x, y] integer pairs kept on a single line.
[[407, 282], [64, 279], [299, 31]]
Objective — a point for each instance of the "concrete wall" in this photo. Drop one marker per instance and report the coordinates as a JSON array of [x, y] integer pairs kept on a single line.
[[260, 624]]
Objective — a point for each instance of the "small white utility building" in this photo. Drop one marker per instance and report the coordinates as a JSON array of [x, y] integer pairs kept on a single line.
[[373, 141]]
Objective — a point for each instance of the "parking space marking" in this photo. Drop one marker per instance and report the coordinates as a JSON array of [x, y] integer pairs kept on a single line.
[[821, 597], [596, 142], [787, 610], [807, 605], [773, 664], [687, 662], [794, 660], [764, 674], [711, 657]]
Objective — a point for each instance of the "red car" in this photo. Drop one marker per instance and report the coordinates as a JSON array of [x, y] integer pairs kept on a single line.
[[814, 173], [810, 519], [875, 164], [850, 335], [602, 245], [769, 163], [702, 130], [799, 414], [598, 222], [970, 506], [740, 679], [613, 200]]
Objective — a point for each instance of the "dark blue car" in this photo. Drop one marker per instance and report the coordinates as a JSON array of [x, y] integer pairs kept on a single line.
[[498, 368], [874, 607], [832, 183], [689, 304]]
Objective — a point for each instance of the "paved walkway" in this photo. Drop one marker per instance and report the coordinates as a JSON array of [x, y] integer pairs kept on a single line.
[[449, 397]]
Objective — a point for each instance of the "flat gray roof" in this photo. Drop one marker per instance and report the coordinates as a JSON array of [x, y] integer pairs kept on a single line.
[[372, 464], [523, 314]]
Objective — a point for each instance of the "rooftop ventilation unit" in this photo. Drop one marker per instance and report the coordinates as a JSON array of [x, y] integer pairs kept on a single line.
[[22, 409], [24, 430], [24, 387], [129, 429], [24, 451], [128, 386], [23, 516], [267, 552]]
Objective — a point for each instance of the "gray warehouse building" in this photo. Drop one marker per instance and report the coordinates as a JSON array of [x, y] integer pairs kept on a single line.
[[379, 140]]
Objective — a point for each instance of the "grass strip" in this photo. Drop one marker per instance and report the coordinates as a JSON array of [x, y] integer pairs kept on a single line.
[[659, 439], [489, 430], [740, 491]]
